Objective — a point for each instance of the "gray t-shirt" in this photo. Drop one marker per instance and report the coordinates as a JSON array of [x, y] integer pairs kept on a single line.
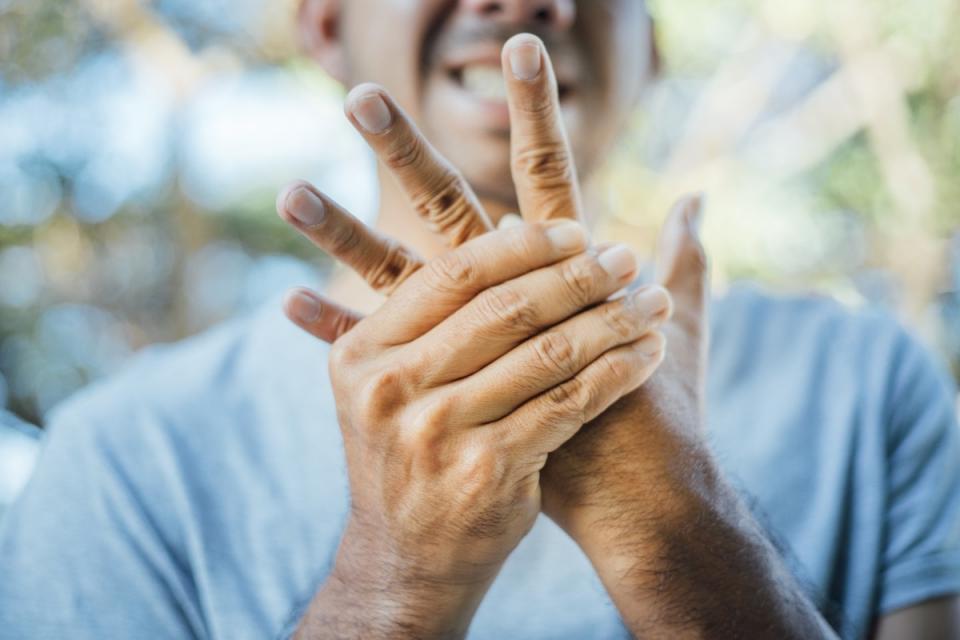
[[202, 493]]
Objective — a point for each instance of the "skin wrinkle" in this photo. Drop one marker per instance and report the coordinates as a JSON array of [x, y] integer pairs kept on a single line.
[[395, 266], [665, 477]]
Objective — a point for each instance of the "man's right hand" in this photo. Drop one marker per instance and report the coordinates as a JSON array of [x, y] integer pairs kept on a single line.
[[450, 398]]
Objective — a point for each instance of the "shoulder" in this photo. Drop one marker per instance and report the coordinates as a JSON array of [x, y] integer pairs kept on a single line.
[[807, 330], [767, 315], [813, 350], [193, 384], [201, 417]]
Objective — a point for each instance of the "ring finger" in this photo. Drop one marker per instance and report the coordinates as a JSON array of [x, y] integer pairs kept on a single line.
[[559, 354]]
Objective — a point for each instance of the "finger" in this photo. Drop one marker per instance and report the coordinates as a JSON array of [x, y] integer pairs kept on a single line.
[[319, 316], [559, 354], [544, 424], [509, 220], [381, 261], [439, 193], [504, 316], [682, 261], [447, 283], [543, 167]]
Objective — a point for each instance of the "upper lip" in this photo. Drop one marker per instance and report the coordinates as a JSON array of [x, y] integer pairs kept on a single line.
[[489, 54]]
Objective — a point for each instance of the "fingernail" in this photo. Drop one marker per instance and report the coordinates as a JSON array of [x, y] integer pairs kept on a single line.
[[526, 60], [567, 235], [650, 345], [509, 221], [651, 301], [619, 261], [304, 205], [304, 307], [372, 113]]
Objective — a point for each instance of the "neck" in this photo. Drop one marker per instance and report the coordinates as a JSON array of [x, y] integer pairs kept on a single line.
[[398, 220]]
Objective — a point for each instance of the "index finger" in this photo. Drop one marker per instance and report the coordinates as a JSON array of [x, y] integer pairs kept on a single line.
[[542, 162], [450, 281]]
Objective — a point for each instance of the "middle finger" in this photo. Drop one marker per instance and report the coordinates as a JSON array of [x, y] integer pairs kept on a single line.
[[503, 316], [543, 166]]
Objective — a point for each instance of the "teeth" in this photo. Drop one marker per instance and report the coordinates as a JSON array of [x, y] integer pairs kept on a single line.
[[485, 82]]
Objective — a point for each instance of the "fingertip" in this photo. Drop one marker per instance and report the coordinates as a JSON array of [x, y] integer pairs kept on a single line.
[[656, 299], [365, 90], [523, 55], [283, 197], [523, 39], [509, 221], [368, 107], [652, 346], [566, 235], [302, 306]]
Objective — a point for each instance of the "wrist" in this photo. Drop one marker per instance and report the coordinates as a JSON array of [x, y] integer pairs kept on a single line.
[[641, 518], [695, 550], [370, 594]]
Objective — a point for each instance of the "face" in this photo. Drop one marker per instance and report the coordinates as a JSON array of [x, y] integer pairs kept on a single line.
[[441, 60]]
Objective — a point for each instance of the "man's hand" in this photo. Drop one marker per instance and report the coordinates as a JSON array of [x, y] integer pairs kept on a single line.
[[637, 487], [450, 399]]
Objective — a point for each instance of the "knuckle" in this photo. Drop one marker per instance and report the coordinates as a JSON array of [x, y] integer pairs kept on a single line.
[[480, 465], [615, 368], [546, 166], [579, 277], [434, 416], [619, 321], [453, 270], [539, 107], [344, 354], [406, 153], [343, 323], [341, 239], [555, 351], [570, 398], [395, 266], [381, 392], [426, 433], [446, 208], [507, 306], [529, 242]]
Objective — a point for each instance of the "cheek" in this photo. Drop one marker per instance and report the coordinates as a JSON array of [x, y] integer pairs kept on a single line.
[[620, 48], [384, 42], [616, 45]]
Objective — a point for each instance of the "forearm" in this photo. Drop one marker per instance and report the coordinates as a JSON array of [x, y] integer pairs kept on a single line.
[[696, 564]]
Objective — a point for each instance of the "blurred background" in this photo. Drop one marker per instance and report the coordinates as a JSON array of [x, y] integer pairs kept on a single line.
[[142, 144]]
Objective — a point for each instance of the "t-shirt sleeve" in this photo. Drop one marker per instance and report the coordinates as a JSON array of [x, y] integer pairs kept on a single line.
[[921, 555], [79, 555]]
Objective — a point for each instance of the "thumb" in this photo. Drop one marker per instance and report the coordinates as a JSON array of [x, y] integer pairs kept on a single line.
[[682, 261]]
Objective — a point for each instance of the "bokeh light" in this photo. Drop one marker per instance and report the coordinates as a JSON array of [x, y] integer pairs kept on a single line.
[[142, 144]]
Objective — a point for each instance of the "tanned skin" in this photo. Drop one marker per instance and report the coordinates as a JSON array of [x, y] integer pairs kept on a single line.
[[545, 400]]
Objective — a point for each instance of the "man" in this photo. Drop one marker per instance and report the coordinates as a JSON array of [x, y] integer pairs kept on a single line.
[[206, 492]]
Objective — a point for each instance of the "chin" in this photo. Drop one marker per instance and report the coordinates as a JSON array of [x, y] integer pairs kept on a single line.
[[493, 184]]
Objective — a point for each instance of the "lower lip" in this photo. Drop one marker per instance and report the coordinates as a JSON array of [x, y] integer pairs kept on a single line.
[[493, 115]]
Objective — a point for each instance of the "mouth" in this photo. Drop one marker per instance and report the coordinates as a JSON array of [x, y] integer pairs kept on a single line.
[[483, 80]]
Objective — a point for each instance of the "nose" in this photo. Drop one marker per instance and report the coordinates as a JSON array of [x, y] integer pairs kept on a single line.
[[551, 14]]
